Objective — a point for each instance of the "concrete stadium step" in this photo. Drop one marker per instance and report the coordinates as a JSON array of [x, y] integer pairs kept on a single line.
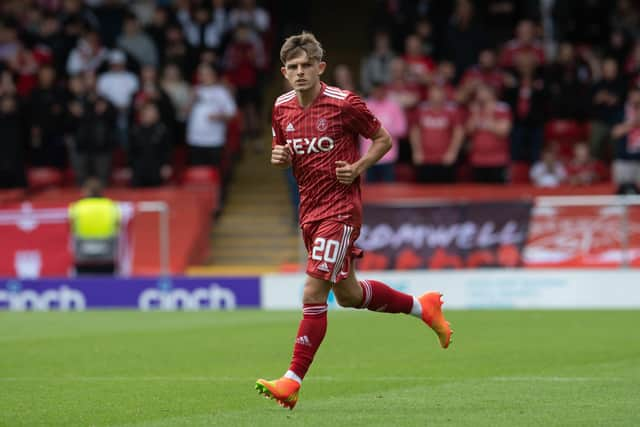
[[256, 225]]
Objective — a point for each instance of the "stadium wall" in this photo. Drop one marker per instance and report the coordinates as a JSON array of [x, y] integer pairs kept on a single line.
[[473, 289]]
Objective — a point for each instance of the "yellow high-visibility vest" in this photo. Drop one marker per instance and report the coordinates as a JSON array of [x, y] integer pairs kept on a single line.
[[94, 218]]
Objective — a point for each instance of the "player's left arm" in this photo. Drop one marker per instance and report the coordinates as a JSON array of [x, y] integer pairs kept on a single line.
[[360, 120], [381, 143]]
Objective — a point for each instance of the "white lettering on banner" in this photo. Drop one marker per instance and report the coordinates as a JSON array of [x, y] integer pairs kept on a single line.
[[465, 235], [64, 299], [313, 145], [214, 298]]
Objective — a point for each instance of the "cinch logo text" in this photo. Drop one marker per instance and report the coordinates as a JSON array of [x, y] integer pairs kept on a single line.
[[213, 298], [63, 298]]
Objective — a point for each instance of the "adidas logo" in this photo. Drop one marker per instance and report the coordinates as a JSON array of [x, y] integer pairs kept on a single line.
[[324, 267], [290, 128], [304, 340]]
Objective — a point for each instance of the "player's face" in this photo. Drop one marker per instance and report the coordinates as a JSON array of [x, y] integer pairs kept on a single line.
[[302, 72]]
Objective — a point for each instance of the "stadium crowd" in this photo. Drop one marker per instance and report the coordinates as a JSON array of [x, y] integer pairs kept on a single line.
[[84, 84], [541, 91]]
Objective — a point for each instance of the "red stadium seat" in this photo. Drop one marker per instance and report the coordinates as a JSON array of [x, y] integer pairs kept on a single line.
[[201, 175], [519, 173], [44, 177]]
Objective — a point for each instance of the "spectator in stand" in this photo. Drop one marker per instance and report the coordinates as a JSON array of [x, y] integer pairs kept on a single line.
[[204, 28], [626, 133], [157, 30], [525, 42], [211, 109], [110, 16], [626, 17], [488, 126], [9, 42], [632, 64], [12, 171], [444, 76], [424, 31], [568, 80], [436, 138], [91, 121], [88, 55], [46, 113], [525, 91], [137, 43], [393, 119], [179, 92], [464, 38], [244, 60], [152, 91], [399, 88], [486, 72], [150, 148], [50, 35], [419, 66], [582, 168], [24, 65], [177, 51], [376, 67], [249, 14], [549, 171], [607, 102], [118, 86], [343, 78], [618, 47]]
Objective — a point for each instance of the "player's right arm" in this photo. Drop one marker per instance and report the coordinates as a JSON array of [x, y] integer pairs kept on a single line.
[[280, 153]]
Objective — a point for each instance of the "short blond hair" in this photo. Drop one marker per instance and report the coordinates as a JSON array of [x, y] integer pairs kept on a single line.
[[305, 42]]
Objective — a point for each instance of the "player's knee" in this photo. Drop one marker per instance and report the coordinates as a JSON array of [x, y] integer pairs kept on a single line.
[[347, 299]]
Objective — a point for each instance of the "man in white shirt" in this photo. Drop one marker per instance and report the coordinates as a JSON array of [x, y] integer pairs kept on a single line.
[[212, 107], [118, 85]]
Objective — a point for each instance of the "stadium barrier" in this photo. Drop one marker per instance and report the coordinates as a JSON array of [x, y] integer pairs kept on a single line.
[[470, 289]]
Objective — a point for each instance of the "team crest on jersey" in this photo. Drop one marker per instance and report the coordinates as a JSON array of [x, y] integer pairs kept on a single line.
[[322, 125]]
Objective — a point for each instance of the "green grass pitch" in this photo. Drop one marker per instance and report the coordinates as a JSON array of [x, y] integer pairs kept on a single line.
[[505, 368]]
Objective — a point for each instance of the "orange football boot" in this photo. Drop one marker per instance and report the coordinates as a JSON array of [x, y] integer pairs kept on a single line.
[[283, 390], [432, 315]]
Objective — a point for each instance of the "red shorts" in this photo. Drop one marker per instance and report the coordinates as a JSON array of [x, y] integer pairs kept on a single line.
[[331, 249]]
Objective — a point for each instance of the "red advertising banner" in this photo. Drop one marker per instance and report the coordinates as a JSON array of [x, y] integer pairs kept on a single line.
[[583, 236], [464, 235], [35, 242]]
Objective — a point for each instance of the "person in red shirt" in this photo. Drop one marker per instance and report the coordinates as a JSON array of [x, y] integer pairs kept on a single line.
[[436, 138], [485, 72], [419, 65], [315, 131], [583, 169], [488, 127], [524, 42]]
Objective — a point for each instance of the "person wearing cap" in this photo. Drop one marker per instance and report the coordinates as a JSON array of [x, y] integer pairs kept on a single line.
[[95, 224]]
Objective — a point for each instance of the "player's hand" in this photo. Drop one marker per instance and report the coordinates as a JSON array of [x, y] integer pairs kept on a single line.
[[346, 172], [281, 156]]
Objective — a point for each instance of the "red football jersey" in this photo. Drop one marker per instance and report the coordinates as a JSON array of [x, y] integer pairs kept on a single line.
[[436, 129], [317, 136], [487, 148]]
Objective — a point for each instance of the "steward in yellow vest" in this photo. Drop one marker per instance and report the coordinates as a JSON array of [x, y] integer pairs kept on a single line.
[[95, 224]]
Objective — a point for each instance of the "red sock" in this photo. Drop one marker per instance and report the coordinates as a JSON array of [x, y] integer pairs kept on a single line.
[[376, 296], [310, 334]]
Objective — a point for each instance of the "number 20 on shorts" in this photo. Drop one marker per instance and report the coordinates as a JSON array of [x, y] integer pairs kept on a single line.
[[325, 249]]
